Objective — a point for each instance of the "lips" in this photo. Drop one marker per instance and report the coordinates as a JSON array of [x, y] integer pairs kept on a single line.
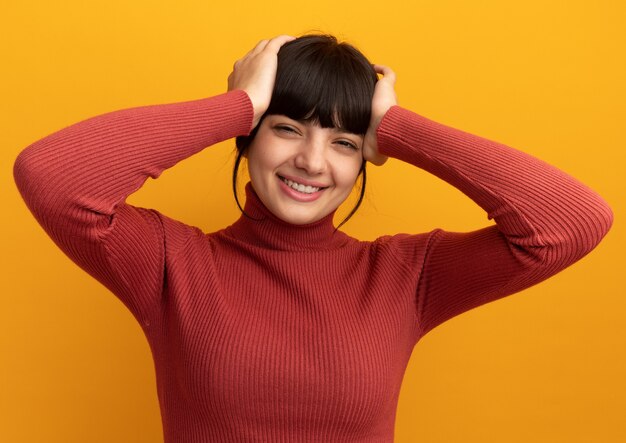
[[302, 186], [301, 192]]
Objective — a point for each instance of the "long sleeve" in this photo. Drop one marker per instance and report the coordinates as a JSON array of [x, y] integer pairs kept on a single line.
[[545, 219], [76, 180]]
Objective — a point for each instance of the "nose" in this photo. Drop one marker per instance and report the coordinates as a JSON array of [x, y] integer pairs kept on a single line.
[[311, 157]]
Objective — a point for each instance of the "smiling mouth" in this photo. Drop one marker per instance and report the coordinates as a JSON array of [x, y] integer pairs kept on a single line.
[[304, 189]]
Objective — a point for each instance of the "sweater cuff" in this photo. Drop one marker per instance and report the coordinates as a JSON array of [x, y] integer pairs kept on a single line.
[[236, 106], [401, 128]]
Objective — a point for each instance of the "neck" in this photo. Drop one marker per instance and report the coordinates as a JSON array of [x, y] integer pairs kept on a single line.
[[259, 226]]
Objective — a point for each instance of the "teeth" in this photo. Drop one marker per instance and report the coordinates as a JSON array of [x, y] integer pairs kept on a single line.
[[300, 187]]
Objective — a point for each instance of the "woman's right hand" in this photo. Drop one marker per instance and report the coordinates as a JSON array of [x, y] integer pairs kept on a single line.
[[255, 73]]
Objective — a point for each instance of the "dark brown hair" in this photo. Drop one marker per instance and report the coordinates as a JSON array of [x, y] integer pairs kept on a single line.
[[323, 81]]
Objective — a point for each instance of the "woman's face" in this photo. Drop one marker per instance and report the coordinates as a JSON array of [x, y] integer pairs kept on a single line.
[[301, 171]]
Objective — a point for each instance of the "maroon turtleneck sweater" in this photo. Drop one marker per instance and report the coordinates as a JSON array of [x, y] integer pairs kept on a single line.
[[266, 331]]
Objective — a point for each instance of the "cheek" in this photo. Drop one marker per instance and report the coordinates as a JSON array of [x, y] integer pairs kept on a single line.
[[262, 157], [347, 171]]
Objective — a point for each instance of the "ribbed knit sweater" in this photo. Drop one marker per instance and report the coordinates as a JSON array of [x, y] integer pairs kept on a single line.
[[271, 332]]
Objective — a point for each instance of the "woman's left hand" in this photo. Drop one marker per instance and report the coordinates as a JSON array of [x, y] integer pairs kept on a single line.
[[383, 99]]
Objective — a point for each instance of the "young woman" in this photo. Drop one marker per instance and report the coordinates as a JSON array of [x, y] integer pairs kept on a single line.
[[280, 327]]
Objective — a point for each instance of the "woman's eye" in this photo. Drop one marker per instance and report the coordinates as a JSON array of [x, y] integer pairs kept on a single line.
[[347, 144], [284, 128]]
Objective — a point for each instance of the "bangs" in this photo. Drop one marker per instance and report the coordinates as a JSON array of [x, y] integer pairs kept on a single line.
[[329, 85], [319, 80]]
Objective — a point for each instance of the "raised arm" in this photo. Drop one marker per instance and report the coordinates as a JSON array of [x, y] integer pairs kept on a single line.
[[75, 182], [545, 219]]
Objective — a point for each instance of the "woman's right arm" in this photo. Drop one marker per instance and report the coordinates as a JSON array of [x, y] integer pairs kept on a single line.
[[75, 182]]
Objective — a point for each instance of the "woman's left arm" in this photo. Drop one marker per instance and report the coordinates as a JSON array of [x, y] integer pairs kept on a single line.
[[545, 219]]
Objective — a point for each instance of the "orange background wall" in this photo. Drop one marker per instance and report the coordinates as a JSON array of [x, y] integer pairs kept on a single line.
[[545, 365]]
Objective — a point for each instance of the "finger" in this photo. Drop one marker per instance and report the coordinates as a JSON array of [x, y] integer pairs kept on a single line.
[[259, 47], [276, 43], [381, 69], [386, 72]]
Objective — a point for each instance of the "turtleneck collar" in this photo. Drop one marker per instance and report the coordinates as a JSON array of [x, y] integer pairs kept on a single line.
[[264, 229]]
